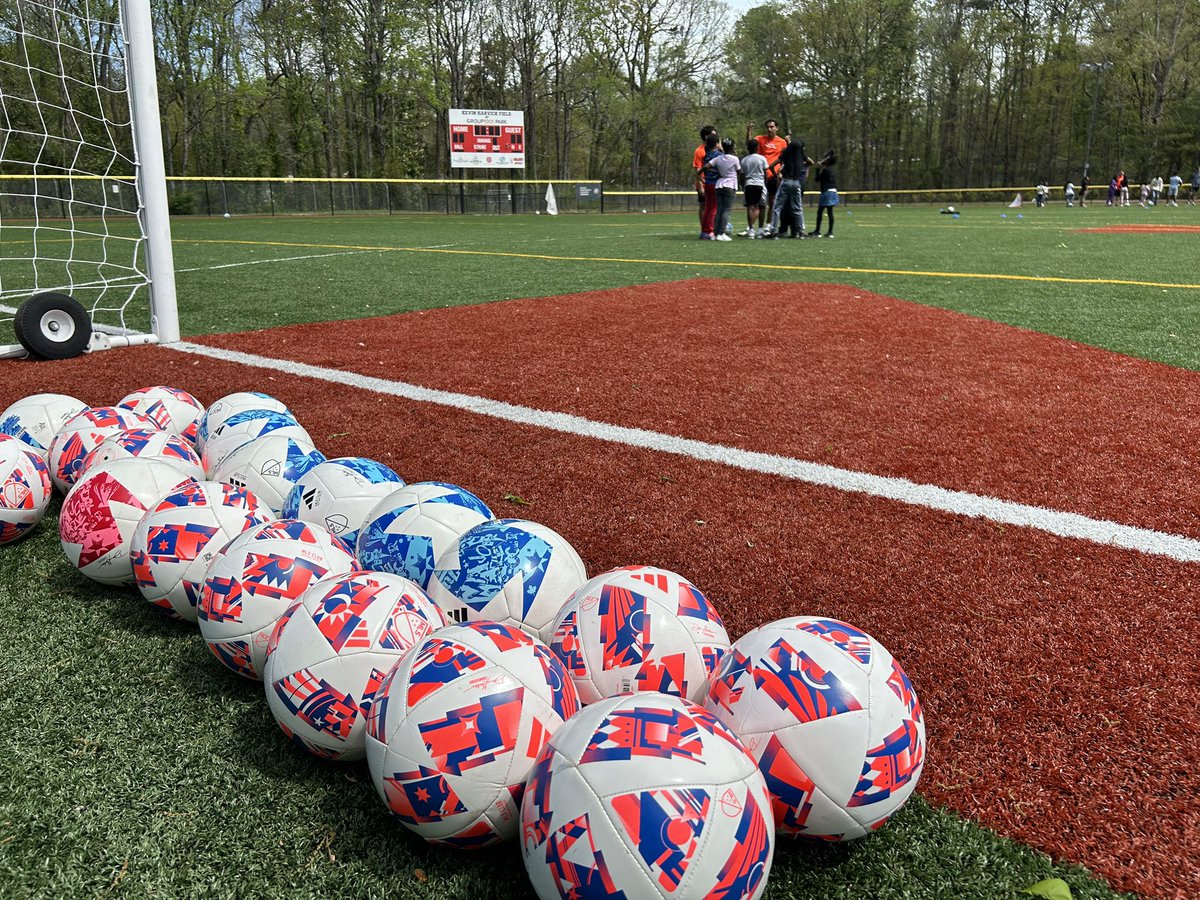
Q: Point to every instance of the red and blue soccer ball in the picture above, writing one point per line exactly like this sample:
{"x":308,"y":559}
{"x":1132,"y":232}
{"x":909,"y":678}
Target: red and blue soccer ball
{"x":25,"y":488}
{"x":832,"y":719}
{"x":171,"y":409}
{"x":340,"y":493}
{"x":329,"y":653}
{"x":508,"y":570}
{"x":253,"y":581}
{"x":177,"y":540}
{"x":269,"y":467}
{"x":649,"y":796}
{"x":37,"y":418}
{"x":411,"y":527}
{"x":83,"y":433}
{"x":149,"y":443}
{"x":639,"y":628}
{"x":103,"y":509}
{"x":456,"y":726}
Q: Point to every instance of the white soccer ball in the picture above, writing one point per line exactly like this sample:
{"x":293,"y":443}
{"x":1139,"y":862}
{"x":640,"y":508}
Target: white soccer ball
{"x":456,"y":727}
{"x":410,"y":528}
{"x":83,"y":433}
{"x":147,"y":443}
{"x":649,"y":796}
{"x":242,"y":428}
{"x":227,"y":215}
{"x":832,"y":719}
{"x":37,"y":418}
{"x":253,"y":581}
{"x":340,"y":493}
{"x":330,"y":651}
{"x":171,"y":409}
{"x":176,"y":541}
{"x":269,"y":467}
{"x":639,"y":629}
{"x":25,"y":488}
{"x":508,"y":570}
{"x":225,"y":407}
{"x":102,"y":511}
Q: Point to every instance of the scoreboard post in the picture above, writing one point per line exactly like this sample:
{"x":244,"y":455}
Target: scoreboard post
{"x":487,"y":139}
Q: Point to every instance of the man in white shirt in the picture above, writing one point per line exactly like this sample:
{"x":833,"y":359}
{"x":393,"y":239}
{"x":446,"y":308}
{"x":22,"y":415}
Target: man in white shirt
{"x":754,"y":169}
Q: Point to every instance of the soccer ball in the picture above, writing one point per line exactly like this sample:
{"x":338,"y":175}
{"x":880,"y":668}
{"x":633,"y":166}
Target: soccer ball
{"x":243,"y":427}
{"x":253,"y":581}
{"x":25,"y":488}
{"x":148,"y":443}
{"x":230,"y":404}
{"x":639,"y":629}
{"x":269,"y":467}
{"x":339,"y":493}
{"x":330,"y":651}
{"x":176,"y":541}
{"x":410,"y":528}
{"x":625,"y":796}
{"x":37,"y":418}
{"x":169,"y":408}
{"x":456,"y":726}
{"x":103,"y":509}
{"x":83,"y":433}
{"x":832,"y":719}
{"x":508,"y":570}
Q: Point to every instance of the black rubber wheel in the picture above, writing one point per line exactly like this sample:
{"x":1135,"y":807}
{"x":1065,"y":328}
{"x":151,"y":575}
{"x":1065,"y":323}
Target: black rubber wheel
{"x":53,"y":326}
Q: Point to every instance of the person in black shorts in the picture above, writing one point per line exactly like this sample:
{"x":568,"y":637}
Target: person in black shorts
{"x":754,"y":168}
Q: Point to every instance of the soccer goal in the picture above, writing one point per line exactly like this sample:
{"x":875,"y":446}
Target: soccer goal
{"x":85,"y":239}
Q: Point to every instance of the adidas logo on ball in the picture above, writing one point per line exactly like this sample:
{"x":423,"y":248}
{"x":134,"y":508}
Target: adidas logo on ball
{"x":312,"y":497}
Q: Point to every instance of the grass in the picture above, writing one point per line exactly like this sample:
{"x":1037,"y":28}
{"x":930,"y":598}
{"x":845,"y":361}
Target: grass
{"x":137,"y":766}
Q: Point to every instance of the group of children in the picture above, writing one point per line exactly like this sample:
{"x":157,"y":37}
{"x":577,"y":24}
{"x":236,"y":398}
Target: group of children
{"x":774,"y":171}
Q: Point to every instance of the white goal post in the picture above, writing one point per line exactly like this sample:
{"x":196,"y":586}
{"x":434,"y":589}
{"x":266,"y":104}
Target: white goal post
{"x":83,"y":198}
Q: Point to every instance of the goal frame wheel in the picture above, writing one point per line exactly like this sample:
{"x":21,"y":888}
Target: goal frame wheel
{"x":53,"y":326}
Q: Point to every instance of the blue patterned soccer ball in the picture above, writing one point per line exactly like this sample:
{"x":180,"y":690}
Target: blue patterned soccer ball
{"x":340,"y":493}
{"x":508,"y":570}
{"x":646,"y":795}
{"x":456,"y":726}
{"x":245,"y":426}
{"x":832,"y":719}
{"x":328,"y":656}
{"x":230,"y":404}
{"x":269,"y":467}
{"x":410,"y":528}
{"x":37,"y":418}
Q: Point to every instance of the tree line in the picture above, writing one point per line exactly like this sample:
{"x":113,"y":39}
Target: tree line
{"x":911,"y":93}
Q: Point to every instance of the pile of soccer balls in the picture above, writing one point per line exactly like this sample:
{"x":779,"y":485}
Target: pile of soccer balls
{"x":492,"y":687}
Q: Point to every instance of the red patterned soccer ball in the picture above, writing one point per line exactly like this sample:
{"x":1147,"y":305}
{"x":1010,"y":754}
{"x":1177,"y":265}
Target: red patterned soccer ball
{"x":832,"y":719}
{"x":253,"y":581}
{"x":178,"y":539}
{"x":650,"y":796}
{"x":171,"y":409}
{"x":639,"y":629}
{"x":330,"y":651}
{"x":148,"y":443}
{"x":103,"y":509}
{"x":25,"y":488}
{"x":83,"y":433}
{"x":456,"y":726}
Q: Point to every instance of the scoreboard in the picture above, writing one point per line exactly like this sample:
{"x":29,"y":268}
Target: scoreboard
{"x":487,"y":139}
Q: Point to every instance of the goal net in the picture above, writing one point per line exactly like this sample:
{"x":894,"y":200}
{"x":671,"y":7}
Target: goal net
{"x":82,"y":193}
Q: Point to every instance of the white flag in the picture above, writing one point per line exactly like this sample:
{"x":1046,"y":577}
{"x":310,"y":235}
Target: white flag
{"x":551,"y":202}
{"x":1016,"y":202}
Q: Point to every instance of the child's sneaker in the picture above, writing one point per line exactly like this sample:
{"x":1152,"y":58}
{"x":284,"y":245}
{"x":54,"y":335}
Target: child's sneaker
{"x":722,"y":237}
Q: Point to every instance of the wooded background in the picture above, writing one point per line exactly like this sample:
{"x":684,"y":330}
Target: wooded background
{"x":911,"y":93}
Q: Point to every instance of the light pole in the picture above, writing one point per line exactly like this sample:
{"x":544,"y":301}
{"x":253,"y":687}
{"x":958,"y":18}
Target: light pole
{"x":1099,"y":68}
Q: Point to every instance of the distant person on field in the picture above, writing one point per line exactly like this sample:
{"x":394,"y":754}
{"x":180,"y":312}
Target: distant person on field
{"x":1145,"y":192}
{"x":698,"y":167}
{"x":789,"y":204}
{"x":1194,"y":187}
{"x":726,"y":166}
{"x":754,"y":171}
{"x":709,"y":221}
{"x":1123,"y":188}
{"x":1041,"y":193}
{"x":1156,"y":189}
{"x":1069,"y":193}
{"x":1083,"y":190}
{"x":827,"y":184}
{"x":1114,"y":191}
{"x":770,"y":145}
{"x":1173,"y":189}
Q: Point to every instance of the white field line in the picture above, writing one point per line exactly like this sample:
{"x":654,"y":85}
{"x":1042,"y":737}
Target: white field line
{"x":279,"y":259}
{"x":1063,"y":524}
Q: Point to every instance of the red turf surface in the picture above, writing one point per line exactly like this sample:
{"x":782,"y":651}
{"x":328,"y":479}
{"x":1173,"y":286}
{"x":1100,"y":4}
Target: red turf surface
{"x":1059,"y":678}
